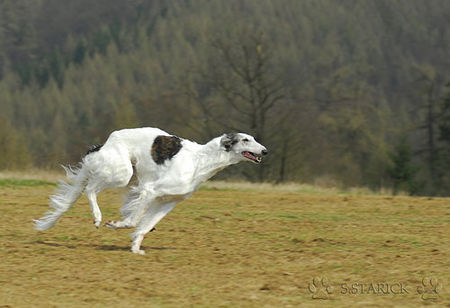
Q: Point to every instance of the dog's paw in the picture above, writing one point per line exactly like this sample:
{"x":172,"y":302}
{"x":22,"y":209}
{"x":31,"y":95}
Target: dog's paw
{"x":97,"y":223}
{"x":110,"y":224}
{"x":138,"y":251}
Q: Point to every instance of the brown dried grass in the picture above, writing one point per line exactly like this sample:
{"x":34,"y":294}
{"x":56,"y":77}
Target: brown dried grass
{"x":226,"y":246}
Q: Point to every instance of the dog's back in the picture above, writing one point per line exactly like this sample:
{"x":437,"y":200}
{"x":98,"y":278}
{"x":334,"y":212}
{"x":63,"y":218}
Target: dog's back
{"x":128,"y":148}
{"x":134,"y":139}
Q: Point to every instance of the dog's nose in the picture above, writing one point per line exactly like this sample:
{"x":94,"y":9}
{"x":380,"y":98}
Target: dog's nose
{"x":264,"y":152}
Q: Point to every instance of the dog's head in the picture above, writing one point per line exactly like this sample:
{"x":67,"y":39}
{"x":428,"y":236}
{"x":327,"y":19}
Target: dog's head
{"x":244,"y":146}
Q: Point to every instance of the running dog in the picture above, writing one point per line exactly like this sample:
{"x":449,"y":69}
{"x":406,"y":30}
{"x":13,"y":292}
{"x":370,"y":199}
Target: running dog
{"x":169,"y":169}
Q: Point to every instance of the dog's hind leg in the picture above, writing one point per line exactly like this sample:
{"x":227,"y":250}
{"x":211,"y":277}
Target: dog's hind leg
{"x":92,"y":197}
{"x":154,"y":214}
{"x":117,"y":173}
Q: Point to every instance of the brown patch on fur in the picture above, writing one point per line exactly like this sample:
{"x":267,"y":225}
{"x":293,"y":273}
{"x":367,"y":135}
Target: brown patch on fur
{"x":165,"y":147}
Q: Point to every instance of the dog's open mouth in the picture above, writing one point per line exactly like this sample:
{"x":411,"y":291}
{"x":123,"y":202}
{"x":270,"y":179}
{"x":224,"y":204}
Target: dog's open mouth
{"x":252,"y":156}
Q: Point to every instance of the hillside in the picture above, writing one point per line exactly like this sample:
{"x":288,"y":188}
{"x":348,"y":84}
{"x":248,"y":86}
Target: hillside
{"x":335,"y":89}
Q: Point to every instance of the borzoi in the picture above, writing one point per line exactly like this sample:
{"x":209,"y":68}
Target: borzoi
{"x":169,"y":169}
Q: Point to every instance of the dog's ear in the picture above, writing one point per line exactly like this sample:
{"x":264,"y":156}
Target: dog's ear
{"x":228,"y":140}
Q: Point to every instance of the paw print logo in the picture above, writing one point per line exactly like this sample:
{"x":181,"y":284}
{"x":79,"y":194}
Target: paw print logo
{"x":320,"y":288}
{"x":429,"y":288}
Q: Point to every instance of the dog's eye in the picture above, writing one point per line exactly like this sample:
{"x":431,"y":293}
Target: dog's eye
{"x":245,"y":140}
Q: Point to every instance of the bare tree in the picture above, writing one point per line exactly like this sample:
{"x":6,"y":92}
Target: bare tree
{"x":242,"y":73}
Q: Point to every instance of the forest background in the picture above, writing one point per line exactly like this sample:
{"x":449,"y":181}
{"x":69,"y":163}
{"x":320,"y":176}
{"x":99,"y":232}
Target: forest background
{"x":343,"y":93}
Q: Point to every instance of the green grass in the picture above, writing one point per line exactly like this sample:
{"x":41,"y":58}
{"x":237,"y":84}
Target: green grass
{"x":287,"y":216}
{"x":27,"y":183}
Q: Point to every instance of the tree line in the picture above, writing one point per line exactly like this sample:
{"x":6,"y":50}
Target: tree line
{"x":346,"y":93}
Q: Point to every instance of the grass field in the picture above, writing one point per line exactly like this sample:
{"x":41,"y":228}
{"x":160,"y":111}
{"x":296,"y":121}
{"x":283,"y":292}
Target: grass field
{"x":235,"y":245}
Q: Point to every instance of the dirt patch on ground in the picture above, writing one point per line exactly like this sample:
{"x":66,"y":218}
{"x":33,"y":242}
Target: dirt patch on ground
{"x":228,"y":247}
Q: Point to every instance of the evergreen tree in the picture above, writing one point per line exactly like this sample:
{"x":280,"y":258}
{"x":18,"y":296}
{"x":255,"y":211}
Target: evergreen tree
{"x":403,"y":172}
{"x":444,"y":138}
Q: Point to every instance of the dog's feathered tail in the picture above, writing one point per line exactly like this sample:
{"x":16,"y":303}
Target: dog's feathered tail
{"x":65,"y":196}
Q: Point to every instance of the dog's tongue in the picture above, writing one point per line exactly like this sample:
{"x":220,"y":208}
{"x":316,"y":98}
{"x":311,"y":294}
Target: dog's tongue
{"x":249,"y":155}
{"x":254,"y":158}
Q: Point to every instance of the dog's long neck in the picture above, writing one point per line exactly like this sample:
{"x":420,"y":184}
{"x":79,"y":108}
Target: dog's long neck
{"x":213,"y":158}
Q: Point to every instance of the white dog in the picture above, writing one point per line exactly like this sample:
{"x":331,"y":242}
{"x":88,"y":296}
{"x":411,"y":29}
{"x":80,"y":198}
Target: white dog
{"x":169,"y":169}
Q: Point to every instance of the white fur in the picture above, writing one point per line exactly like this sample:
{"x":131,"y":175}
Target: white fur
{"x":159,"y":187}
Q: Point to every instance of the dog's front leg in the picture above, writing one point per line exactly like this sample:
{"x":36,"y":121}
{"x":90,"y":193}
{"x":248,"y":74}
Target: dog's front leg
{"x":133,"y":208}
{"x":154,"y":214}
